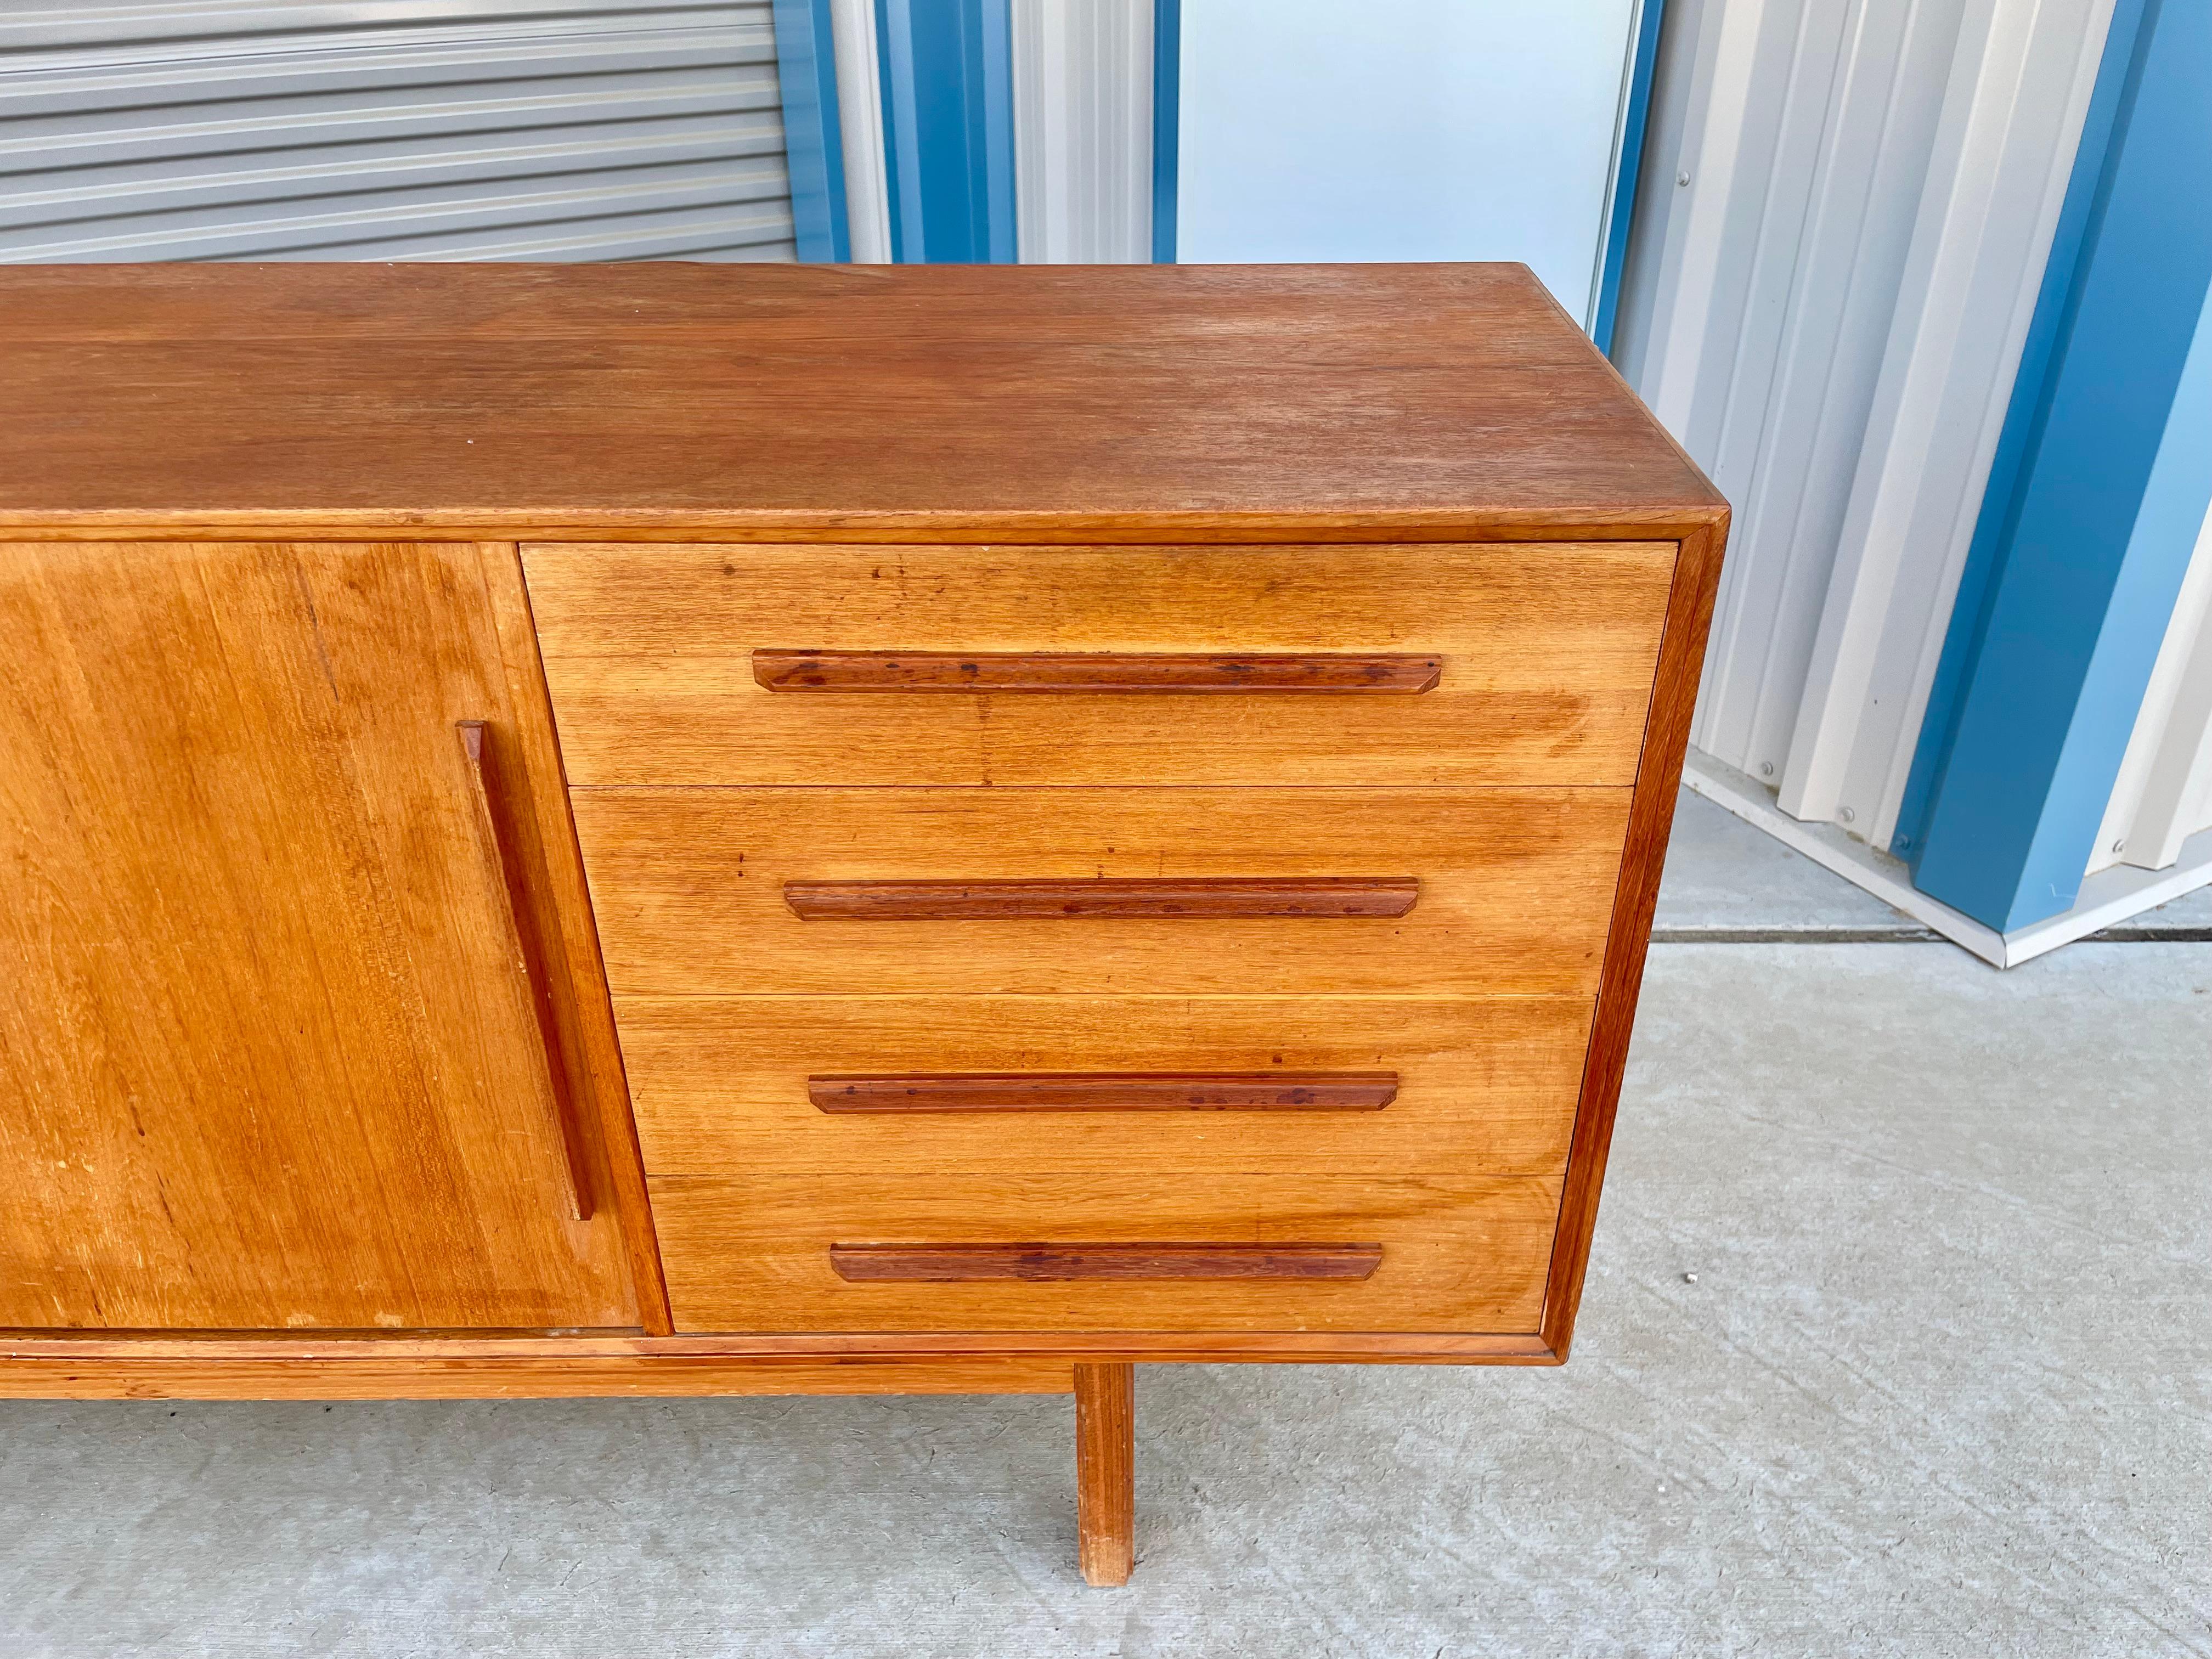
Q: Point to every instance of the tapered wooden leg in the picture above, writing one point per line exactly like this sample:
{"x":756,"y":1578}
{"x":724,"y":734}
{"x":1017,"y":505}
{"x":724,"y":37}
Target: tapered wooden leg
{"x":1106,"y":1471}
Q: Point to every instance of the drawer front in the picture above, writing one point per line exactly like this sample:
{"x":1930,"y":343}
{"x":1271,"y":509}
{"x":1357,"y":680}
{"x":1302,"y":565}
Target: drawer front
{"x":759,"y":1254}
{"x":1509,"y":889}
{"x":1026,"y":1085}
{"x":1543,"y":660}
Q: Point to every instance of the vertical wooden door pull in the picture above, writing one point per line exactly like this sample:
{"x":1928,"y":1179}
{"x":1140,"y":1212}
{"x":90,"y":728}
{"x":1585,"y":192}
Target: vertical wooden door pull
{"x":538,"y":983}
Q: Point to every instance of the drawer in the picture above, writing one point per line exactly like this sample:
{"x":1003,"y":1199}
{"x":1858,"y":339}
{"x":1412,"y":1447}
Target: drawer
{"x":1026,"y":1085}
{"x":1543,"y":658}
{"x":756,"y":1254}
{"x":1510,"y":890}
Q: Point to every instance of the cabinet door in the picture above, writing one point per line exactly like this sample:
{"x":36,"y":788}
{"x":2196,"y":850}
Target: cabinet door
{"x":271,"y":1055}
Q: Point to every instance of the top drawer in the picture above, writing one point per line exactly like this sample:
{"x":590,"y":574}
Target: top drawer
{"x":1545,"y":658}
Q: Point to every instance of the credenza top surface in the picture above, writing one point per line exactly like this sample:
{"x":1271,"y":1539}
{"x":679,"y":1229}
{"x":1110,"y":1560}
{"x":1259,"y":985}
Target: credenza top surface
{"x":624,"y":395}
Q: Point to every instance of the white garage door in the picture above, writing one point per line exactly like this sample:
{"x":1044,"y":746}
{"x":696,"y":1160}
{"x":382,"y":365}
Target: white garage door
{"x":391,"y":129}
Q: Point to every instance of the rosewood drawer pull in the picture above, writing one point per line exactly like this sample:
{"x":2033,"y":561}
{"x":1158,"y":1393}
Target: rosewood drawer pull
{"x":1107,"y":1091}
{"x":1210,"y":896}
{"x":497,"y":829}
{"x":1080,"y":672}
{"x":947,"y":1264}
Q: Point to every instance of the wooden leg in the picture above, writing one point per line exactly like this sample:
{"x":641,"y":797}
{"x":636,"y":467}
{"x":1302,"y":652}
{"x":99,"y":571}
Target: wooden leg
{"x":1106,"y":1471}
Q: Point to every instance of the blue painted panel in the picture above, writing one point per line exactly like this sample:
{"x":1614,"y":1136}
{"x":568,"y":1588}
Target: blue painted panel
{"x":2115,"y":482}
{"x":2023,"y":425}
{"x":947,"y":70}
{"x":1167,"y":123}
{"x":1627,"y":171}
{"x":806,"y":70}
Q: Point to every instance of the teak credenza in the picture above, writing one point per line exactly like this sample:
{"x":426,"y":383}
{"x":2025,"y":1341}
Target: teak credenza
{"x":663,"y":830}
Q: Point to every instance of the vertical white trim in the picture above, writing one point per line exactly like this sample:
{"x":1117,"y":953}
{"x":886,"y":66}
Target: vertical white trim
{"x":861,"y":128}
{"x":2164,"y":792}
{"x":1083,"y":130}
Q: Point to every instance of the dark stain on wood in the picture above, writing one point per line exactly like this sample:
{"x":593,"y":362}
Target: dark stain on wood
{"x":1091,"y":672}
{"x":960,"y":1263}
{"x":1107,"y":1092}
{"x":1198,"y":898}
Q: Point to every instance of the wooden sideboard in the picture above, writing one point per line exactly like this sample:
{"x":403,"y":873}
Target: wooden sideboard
{"x":661,"y":829}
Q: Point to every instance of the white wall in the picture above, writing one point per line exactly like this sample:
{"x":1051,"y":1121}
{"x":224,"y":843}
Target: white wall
{"x":1318,"y":129}
{"x":1829,"y":314}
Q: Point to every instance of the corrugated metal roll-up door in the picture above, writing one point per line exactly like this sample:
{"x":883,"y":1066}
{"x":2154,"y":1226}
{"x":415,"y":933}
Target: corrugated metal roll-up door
{"x":391,"y":129}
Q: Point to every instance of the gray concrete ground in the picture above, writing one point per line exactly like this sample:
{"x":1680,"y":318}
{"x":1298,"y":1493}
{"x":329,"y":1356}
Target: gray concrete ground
{"x":1941,"y":1386}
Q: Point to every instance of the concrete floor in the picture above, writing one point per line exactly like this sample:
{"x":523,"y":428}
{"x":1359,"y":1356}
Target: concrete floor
{"x":1941,"y":1386}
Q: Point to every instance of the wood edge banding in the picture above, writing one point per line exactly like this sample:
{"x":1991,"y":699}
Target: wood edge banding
{"x":1118,"y":1261}
{"x":1104,"y":1091}
{"x":1628,"y":938}
{"x":1317,"y":897}
{"x":1093,"y":672}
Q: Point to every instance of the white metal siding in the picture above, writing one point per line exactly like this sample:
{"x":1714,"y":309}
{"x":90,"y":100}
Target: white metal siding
{"x":1829,"y":313}
{"x":1083,"y":130}
{"x":2164,"y":792}
{"x":392,"y":130}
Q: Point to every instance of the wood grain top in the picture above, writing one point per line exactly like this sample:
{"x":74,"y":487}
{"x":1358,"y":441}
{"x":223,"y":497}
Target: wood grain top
{"x":653,"y":398}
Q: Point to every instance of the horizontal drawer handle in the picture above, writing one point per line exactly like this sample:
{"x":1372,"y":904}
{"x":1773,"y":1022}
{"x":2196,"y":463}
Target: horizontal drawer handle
{"x":1209,"y":897}
{"x":958,"y":1263}
{"x":1077,"y":672}
{"x":1107,"y":1091}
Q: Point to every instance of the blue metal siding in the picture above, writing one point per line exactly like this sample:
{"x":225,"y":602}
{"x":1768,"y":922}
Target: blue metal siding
{"x":1167,"y":111}
{"x":814,"y":147}
{"x":2095,"y":533}
{"x":947,"y":70}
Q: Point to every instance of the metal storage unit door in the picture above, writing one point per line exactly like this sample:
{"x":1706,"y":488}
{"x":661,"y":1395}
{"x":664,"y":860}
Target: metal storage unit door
{"x":391,"y":129}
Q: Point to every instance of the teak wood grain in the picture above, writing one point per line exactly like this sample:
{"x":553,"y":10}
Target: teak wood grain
{"x":265,"y":1061}
{"x":1107,"y":1092}
{"x":495,"y":400}
{"x":581,"y":1369}
{"x":752,"y":1252}
{"x":534,"y":966}
{"x":1104,"y":899}
{"x":1544,"y":659}
{"x":1515,"y":888}
{"x":1105,"y":1473}
{"x":1485,"y":1085}
{"x":1128,"y":672}
{"x":956,"y":1264}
